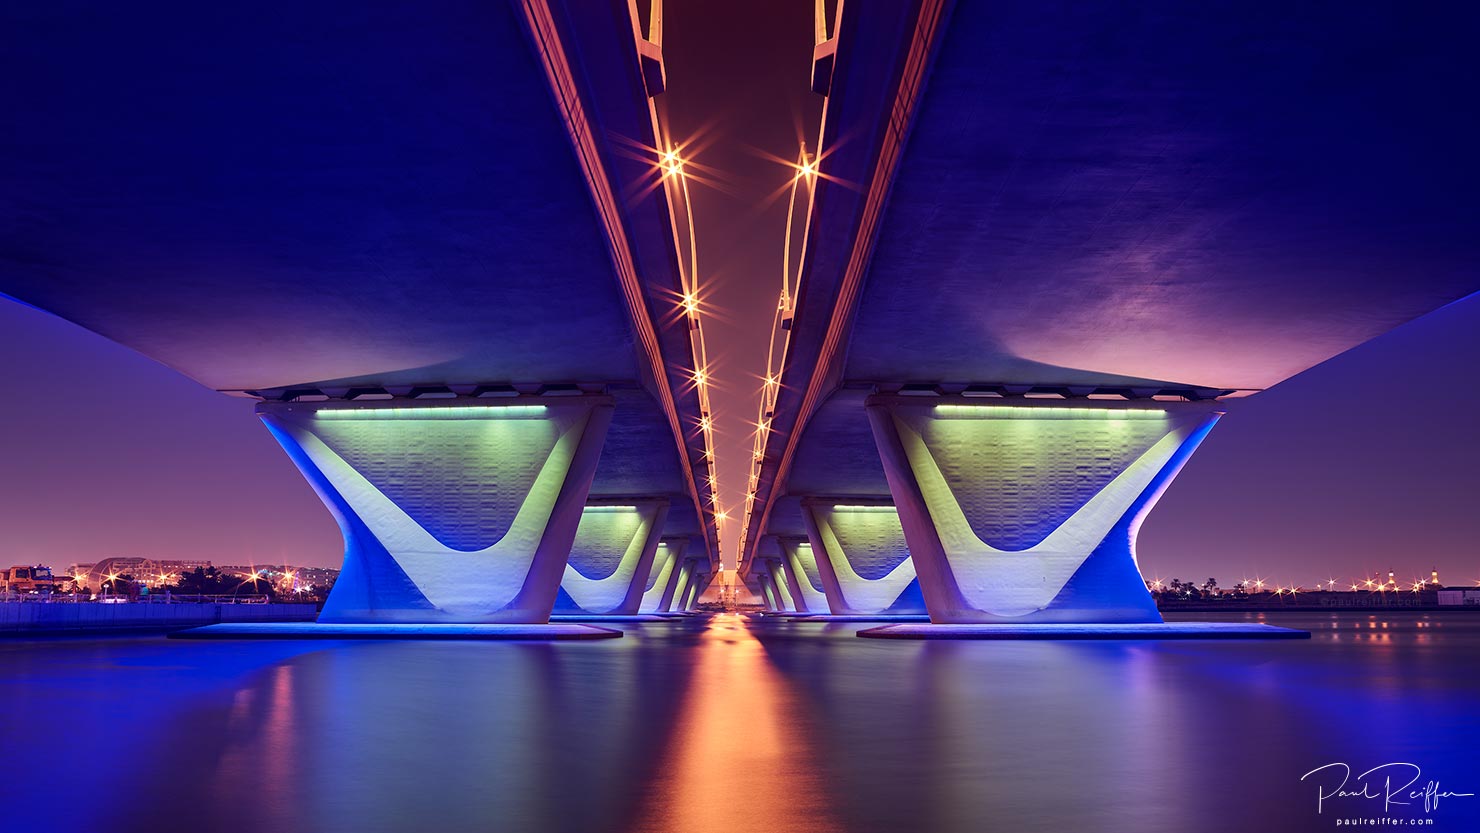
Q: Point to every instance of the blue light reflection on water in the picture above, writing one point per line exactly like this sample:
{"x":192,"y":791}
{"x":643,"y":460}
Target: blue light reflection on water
{"x":141,"y":733}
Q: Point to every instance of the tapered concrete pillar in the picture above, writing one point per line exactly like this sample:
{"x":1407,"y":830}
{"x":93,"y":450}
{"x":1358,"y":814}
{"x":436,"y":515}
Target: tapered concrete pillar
{"x":767,"y":592}
{"x":612,"y":556}
{"x":696,"y":588}
{"x":450,"y":512}
{"x":863,"y":561}
{"x":1029,"y":513}
{"x":665,"y":568}
{"x":678,"y":586}
{"x":780,"y":586}
{"x":703,"y":588}
{"x":804,"y":577}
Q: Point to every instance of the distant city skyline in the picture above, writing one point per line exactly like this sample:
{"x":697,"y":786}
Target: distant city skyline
{"x":1358,"y":466}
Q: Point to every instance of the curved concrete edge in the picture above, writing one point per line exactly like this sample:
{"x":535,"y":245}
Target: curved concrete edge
{"x":303,"y":630}
{"x":1166,"y":630}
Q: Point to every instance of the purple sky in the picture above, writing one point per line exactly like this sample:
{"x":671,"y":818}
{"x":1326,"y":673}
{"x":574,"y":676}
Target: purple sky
{"x":1362,"y":464}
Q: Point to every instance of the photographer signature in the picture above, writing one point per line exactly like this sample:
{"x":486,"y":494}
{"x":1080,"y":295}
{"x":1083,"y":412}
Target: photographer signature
{"x":1385,"y":781}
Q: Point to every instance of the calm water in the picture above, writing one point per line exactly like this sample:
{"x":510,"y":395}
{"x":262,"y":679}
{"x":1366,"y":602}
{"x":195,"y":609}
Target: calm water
{"x":735,"y":725}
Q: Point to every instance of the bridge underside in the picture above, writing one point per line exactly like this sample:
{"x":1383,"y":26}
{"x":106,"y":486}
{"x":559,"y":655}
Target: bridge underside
{"x":1026,"y":288}
{"x":321,"y":199}
{"x":1188,"y":195}
{"x":432,"y":240}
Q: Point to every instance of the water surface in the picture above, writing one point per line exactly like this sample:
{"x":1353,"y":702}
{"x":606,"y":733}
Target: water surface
{"x":731,"y":724}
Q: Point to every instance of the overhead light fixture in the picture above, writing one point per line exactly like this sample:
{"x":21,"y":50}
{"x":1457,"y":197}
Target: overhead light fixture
{"x":446,"y":412}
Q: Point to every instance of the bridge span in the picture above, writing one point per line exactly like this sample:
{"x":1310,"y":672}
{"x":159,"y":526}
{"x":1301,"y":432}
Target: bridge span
{"x":1045,"y":247}
{"x":443,"y":246}
{"x":1040,"y":250}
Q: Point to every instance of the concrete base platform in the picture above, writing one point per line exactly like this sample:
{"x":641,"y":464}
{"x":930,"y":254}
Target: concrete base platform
{"x":311,"y":630}
{"x":606,"y":617}
{"x":1165,"y":630}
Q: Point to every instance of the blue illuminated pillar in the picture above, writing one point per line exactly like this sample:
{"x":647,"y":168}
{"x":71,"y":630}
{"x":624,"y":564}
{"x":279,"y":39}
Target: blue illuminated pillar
{"x":450,"y":511}
{"x":1029,"y":512}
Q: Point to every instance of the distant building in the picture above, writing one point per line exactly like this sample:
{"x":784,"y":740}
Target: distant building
{"x":316,"y":577}
{"x":150,"y":572}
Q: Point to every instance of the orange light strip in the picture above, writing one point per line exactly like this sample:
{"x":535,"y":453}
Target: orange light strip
{"x":562,"y":83}
{"x":780,"y":342}
{"x":927,"y":26}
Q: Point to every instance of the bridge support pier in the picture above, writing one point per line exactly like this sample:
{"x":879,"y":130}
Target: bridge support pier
{"x":612,"y":555}
{"x":803,"y":576}
{"x":1029,"y":513}
{"x":768,"y":592}
{"x":678,"y":585}
{"x":451,"y":513}
{"x":861,"y":556}
{"x":697,"y":586}
{"x":781,"y":586}
{"x":658,"y":596}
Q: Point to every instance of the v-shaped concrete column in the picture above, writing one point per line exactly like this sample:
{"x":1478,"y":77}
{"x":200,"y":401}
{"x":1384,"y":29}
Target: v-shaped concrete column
{"x":658,"y":594}
{"x":780,"y":585}
{"x":678,"y":585}
{"x":612,"y":555}
{"x":802,"y":575}
{"x":696,"y":588}
{"x":767,"y":590}
{"x":451,"y":512}
{"x":861,"y":554}
{"x":1029,"y":513}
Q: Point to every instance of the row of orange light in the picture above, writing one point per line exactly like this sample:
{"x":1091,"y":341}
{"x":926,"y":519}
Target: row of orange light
{"x":671,"y":163}
{"x":804,"y":178}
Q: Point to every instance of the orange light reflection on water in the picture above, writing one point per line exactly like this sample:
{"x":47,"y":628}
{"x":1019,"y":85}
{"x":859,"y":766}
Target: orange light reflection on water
{"x":739,"y":757}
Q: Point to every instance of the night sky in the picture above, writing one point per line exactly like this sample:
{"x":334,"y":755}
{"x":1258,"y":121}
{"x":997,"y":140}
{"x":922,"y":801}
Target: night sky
{"x":1363,"y":464}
